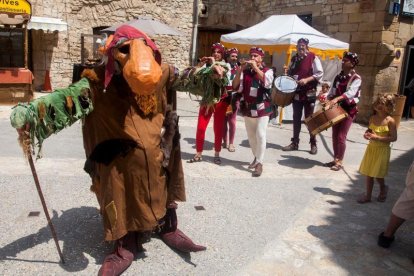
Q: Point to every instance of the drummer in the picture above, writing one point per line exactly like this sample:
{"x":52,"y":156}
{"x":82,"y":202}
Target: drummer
{"x":254,"y":81}
{"x":307,"y":69}
{"x":345,"y":91}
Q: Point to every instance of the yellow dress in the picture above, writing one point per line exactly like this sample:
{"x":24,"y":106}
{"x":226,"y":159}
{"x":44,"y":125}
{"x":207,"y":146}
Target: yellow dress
{"x":377,"y":155}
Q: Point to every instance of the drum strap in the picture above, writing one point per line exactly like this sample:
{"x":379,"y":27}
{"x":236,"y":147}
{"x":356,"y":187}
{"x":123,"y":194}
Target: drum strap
{"x":353,"y":77}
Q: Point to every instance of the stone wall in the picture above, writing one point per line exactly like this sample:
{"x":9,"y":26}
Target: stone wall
{"x":58,"y":52}
{"x":230,"y":15}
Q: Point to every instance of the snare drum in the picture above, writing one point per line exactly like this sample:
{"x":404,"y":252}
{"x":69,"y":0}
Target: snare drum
{"x":325,"y":118}
{"x":283,"y":90}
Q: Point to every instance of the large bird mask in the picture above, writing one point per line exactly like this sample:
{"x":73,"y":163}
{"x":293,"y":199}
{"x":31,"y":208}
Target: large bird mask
{"x":139,"y":60}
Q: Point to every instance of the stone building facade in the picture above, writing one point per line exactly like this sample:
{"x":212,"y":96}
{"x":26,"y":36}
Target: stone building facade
{"x":59,"y":51}
{"x":365,"y":24}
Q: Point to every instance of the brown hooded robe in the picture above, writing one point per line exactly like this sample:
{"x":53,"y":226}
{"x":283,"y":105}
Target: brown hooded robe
{"x":132,"y":187}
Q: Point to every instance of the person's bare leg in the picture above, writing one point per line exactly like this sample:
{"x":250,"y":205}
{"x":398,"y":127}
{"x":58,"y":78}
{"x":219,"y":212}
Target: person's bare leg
{"x":393,"y":224}
{"x":383,"y":190}
{"x":369,"y":183}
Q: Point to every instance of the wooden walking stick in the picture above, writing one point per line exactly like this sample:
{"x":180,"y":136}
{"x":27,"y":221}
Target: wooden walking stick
{"x":42,"y":199}
{"x":25,"y":142}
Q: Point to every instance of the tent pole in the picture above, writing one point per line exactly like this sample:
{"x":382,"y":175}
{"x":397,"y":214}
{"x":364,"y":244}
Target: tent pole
{"x":288,"y":55}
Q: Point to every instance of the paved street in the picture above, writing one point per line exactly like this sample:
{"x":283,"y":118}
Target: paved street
{"x":298,"y":218}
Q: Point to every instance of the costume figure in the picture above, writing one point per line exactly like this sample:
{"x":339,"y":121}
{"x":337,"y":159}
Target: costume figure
{"x":234,"y":99}
{"x":255,"y":103}
{"x":307,"y":69}
{"x":131,"y":142}
{"x":345,"y":91}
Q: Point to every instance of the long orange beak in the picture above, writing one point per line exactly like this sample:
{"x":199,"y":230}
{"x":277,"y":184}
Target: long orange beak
{"x":139,"y":66}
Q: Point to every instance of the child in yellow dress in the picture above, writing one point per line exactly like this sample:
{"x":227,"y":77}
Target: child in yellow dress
{"x":381,"y":132}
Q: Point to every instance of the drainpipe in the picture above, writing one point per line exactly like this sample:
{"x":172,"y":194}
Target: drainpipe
{"x":195,"y":33}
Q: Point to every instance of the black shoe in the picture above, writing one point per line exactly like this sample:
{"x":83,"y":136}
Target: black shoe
{"x":384,"y":241}
{"x":313,"y":150}
{"x":291,"y":147}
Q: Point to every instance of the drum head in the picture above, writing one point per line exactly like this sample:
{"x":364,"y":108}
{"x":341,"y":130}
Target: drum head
{"x":285,"y":84}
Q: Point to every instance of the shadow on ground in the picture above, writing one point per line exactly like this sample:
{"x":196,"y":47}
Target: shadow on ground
{"x":351,"y":232}
{"x":80,"y":230}
{"x":208,"y":155}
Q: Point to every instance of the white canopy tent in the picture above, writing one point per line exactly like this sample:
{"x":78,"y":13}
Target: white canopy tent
{"x":278,"y":35}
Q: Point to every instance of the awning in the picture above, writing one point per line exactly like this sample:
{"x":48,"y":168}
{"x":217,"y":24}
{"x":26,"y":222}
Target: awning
{"x":47,"y":24}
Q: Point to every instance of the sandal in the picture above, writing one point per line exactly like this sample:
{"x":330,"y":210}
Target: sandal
{"x":231,"y":148}
{"x":336,"y":167}
{"x":383,"y":197}
{"x":363,"y":199}
{"x":217,"y":160}
{"x":329,"y":164}
{"x":195,"y":159}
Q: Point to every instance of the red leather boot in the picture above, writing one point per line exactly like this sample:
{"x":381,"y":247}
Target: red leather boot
{"x":173,"y":237}
{"x":122,"y":257}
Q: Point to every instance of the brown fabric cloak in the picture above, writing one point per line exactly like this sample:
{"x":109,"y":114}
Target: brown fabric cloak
{"x":132,"y":188}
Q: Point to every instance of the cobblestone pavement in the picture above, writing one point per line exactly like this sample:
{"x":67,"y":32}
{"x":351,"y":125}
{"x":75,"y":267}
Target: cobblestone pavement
{"x":298,"y":218}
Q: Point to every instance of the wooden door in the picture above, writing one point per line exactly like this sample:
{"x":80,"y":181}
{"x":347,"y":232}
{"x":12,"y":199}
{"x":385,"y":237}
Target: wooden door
{"x":205,"y":39}
{"x":408,"y":79}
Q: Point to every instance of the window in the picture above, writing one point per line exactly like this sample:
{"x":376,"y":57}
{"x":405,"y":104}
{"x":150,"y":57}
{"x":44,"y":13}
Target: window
{"x":11,"y":47}
{"x":307,"y":18}
{"x":407,"y":8}
{"x":97,"y":30}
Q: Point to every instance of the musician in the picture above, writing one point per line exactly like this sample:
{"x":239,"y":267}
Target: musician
{"x":234,"y":100}
{"x":205,"y":112}
{"x":345,"y":91}
{"x":307,"y":69}
{"x":254,"y":81}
